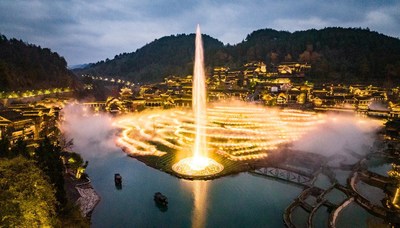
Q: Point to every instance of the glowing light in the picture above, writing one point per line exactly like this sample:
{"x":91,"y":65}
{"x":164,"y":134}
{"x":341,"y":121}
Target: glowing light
{"x":396,"y":199}
{"x":199,"y":99}
{"x":197,"y":166}
{"x":237,"y":133}
{"x":198,"y":163}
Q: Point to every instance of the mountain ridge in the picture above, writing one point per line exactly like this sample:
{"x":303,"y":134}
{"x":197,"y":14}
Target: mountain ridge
{"x":338,"y":55}
{"x":26,"y":66}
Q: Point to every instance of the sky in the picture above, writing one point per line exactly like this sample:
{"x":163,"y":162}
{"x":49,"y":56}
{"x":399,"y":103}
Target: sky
{"x":86,"y":31}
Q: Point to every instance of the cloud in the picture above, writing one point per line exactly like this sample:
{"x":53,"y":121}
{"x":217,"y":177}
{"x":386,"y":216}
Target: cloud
{"x":83,"y":31}
{"x":301,"y":24}
{"x":384,"y":20}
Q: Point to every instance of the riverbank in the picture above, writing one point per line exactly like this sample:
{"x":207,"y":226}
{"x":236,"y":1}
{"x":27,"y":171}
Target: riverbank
{"x":81,"y":193}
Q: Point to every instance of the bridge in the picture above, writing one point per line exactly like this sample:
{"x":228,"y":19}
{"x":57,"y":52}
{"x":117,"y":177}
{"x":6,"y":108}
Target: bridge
{"x":111,"y":79}
{"x":312,"y":208}
{"x":288,"y":174}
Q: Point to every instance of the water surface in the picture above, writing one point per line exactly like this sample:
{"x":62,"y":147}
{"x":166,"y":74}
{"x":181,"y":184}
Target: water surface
{"x":242,"y":200}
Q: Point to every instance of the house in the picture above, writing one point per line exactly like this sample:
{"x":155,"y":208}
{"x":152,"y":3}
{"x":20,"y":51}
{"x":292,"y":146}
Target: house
{"x":14,"y":126}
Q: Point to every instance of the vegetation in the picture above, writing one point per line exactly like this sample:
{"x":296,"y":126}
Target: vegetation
{"x":171,"y":55}
{"x":26,"y":66}
{"x":5,"y":150}
{"x":32,"y":190}
{"x":337,"y":55}
{"x":26,"y":198}
{"x":48,"y":157}
{"x":74,"y":160}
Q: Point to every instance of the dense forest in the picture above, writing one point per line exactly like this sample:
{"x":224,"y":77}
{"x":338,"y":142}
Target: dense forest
{"x":26,"y":66}
{"x":32,"y":187}
{"x":171,"y":55}
{"x":337,"y":55}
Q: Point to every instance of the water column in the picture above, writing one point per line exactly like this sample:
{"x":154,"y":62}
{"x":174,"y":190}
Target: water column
{"x":199,"y":99}
{"x":199,"y":164}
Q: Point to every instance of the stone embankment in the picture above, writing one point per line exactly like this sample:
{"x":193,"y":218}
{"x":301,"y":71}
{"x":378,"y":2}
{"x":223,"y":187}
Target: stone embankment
{"x":88,"y":198}
{"x":81,"y":193}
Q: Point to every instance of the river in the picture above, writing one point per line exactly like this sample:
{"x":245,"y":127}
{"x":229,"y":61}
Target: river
{"x":242,"y":200}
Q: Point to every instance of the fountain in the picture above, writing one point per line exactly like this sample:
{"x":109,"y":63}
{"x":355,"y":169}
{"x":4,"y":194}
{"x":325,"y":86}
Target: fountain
{"x":188,"y":141}
{"x":200,"y":164}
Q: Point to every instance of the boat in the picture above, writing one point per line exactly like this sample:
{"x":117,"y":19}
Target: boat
{"x":117,"y":179}
{"x":160,"y":199}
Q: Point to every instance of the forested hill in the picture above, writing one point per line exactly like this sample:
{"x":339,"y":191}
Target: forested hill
{"x":337,"y":55}
{"x":26,"y":66}
{"x":171,"y":55}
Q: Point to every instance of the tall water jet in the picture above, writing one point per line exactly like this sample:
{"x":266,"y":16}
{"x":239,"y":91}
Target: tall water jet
{"x":200,"y":164}
{"x":199,"y":99}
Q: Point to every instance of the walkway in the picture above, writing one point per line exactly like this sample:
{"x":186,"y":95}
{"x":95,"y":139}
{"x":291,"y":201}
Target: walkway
{"x":300,"y":201}
{"x":288,"y":174}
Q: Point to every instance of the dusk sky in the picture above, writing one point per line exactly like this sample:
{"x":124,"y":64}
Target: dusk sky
{"x":89,"y":31}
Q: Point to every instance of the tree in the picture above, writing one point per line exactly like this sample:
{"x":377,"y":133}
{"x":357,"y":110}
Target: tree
{"x":4,"y":146}
{"x":20,"y":148}
{"x":48,"y":157}
{"x":27,"y":199}
{"x":65,"y":143}
{"x":288,"y":58}
{"x":274,"y":57}
{"x":26,"y":66}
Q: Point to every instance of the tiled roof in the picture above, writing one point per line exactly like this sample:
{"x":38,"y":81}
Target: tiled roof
{"x":12,"y":115}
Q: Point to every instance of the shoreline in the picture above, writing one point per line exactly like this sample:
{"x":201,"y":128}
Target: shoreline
{"x":81,"y":193}
{"x":88,"y":199}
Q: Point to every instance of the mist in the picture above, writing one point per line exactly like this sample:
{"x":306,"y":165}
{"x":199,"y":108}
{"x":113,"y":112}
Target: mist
{"x":93,"y":135}
{"x":379,"y":106}
{"x":339,"y":134}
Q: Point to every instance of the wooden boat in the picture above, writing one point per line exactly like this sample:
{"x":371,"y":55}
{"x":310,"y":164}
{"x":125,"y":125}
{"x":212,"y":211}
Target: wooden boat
{"x":160,"y":199}
{"x":117,"y":179}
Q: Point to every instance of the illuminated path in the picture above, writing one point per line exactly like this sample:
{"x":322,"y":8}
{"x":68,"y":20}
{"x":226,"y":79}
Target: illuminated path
{"x":236,"y":132}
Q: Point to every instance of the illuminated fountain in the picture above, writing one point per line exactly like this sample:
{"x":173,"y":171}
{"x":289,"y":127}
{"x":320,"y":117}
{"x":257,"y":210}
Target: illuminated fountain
{"x":229,"y":132}
{"x":200,"y":164}
{"x":238,"y":132}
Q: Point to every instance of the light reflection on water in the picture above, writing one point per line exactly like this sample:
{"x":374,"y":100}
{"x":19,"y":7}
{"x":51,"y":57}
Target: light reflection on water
{"x":241,"y":200}
{"x":233,"y":201}
{"x":200,"y":192}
